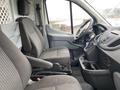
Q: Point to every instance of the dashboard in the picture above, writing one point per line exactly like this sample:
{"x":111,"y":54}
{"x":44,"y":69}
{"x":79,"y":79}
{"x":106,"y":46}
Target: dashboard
{"x":108,"y":44}
{"x":105,"y":49}
{"x":101,"y":57}
{"x":109,"y":40}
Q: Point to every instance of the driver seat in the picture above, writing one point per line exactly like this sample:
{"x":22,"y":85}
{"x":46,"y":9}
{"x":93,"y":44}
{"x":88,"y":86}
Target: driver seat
{"x":33,"y":44}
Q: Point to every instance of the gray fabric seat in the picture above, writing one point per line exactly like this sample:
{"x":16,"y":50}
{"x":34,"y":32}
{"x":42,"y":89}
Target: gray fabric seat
{"x":55,"y":55}
{"x":15,"y":72}
{"x":59,"y":82}
{"x":33,"y":44}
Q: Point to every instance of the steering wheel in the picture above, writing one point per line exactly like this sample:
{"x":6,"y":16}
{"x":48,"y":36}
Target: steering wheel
{"x":85,"y":27}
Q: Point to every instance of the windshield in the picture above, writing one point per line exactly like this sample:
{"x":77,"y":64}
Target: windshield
{"x":109,"y":9}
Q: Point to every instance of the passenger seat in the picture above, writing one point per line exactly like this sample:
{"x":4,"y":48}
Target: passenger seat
{"x":15,"y":72}
{"x":34,"y":44}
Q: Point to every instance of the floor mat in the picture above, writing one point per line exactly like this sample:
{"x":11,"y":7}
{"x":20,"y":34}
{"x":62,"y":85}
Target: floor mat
{"x":77,"y":74}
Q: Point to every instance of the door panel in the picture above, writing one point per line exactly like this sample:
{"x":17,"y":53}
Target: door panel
{"x":60,"y":39}
{"x":64,"y":20}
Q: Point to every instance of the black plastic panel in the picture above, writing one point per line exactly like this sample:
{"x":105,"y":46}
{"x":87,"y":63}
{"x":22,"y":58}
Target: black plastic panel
{"x":24,"y":7}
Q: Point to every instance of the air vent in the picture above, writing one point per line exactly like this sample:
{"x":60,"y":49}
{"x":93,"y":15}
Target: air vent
{"x":5,"y":12}
{"x":115,"y":43}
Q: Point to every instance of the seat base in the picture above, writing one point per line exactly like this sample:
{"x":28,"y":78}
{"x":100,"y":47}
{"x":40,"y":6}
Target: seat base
{"x":56,"y":82}
{"x":57,"y":55}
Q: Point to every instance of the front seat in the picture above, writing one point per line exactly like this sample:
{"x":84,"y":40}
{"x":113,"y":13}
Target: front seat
{"x":33,"y":44}
{"x":15,"y":72}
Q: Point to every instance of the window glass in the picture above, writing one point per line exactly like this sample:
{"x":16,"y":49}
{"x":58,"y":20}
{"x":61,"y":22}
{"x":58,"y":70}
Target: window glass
{"x":109,"y":9}
{"x":60,"y":18}
{"x":79,"y":16}
{"x":59,"y":15}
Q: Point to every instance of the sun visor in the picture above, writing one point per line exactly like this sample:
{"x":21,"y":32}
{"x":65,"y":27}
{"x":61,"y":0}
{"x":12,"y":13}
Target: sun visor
{"x":24,"y":7}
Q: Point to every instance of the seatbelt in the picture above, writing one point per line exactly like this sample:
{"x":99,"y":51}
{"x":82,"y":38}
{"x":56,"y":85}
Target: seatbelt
{"x":44,"y":27}
{"x":26,"y":44}
{"x":40,"y":25}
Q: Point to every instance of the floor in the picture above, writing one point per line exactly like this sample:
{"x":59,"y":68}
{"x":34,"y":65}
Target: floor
{"x":78,"y":75}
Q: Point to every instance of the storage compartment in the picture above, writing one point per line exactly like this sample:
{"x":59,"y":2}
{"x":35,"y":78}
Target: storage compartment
{"x":53,"y":71}
{"x":91,"y":52}
{"x":99,"y":78}
{"x":90,"y":65}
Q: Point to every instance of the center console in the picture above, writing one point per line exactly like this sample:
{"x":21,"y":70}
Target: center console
{"x":41,"y":68}
{"x":95,"y":71}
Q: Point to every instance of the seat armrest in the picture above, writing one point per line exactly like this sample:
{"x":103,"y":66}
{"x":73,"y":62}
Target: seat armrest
{"x":37,"y":62}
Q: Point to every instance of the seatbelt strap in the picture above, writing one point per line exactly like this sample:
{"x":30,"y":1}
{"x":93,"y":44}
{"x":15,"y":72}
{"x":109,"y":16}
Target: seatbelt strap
{"x":26,"y":44}
{"x":44,"y":26}
{"x":40,"y":25}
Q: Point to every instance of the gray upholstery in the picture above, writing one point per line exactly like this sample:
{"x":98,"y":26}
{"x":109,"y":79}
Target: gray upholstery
{"x":15,"y":72}
{"x":33,"y":44}
{"x":15,"y":68}
{"x":37,"y":62}
{"x":56,"y":82}
{"x":9,"y":77}
{"x":60,"y":55}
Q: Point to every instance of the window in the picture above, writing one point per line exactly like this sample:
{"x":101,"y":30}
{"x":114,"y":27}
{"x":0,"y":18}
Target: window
{"x":65,"y":16}
{"x":59,"y":15}
{"x":109,"y":9}
{"x":79,"y":16}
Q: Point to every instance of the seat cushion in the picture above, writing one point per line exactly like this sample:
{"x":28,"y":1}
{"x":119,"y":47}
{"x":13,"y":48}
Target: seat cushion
{"x":57,"y":55}
{"x":57,"y":82}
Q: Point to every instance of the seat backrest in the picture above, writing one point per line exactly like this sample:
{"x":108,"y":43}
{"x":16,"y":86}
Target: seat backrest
{"x":15,"y":69}
{"x":32,"y":39}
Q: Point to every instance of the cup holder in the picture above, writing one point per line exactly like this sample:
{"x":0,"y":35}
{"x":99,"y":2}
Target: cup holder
{"x":90,"y":65}
{"x":95,"y":75}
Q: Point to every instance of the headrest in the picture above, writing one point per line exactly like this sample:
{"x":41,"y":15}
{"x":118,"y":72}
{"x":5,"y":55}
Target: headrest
{"x":24,"y":7}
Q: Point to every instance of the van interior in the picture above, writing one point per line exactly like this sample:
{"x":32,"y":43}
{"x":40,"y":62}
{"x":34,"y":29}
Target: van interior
{"x":45,"y":46}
